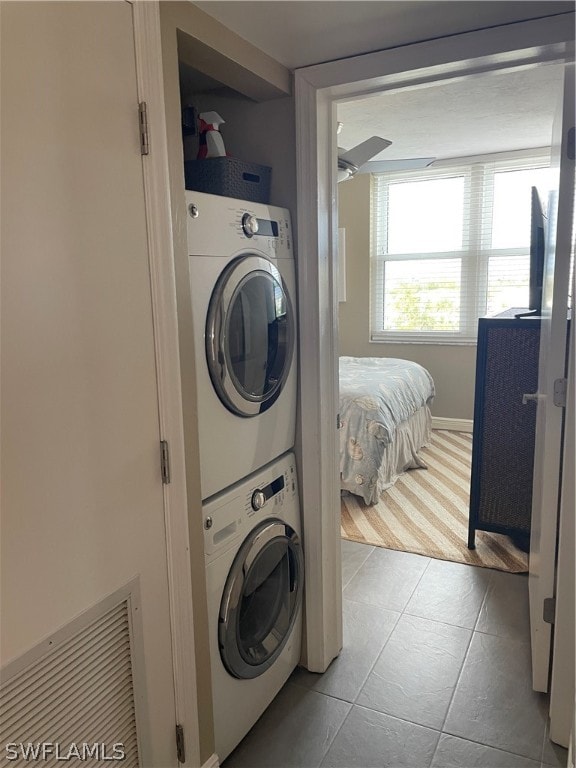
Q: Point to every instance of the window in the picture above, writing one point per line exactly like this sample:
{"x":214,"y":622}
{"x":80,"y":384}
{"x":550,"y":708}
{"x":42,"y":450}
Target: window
{"x":450,"y":245}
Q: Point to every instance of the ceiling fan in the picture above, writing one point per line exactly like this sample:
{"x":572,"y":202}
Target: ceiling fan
{"x":359,"y":159}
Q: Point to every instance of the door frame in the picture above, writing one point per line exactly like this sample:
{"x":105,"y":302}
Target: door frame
{"x":550,"y":418}
{"x":562,"y":704}
{"x":148,"y":54}
{"x":318,"y":88}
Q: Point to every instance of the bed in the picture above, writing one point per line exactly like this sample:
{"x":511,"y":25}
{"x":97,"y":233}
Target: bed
{"x":385,"y":419}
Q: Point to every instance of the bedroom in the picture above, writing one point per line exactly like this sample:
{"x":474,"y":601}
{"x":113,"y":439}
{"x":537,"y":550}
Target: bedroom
{"x":497,"y":126}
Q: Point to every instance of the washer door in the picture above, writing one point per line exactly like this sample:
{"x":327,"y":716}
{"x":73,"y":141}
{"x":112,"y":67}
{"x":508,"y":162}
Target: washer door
{"x":249,"y":335}
{"x":261,"y":599}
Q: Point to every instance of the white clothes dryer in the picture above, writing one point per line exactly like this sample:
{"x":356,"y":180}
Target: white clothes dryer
{"x":254,"y":578}
{"x":242,"y":284}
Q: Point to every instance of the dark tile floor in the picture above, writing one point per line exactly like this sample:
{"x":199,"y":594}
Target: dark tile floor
{"x":434,"y":673}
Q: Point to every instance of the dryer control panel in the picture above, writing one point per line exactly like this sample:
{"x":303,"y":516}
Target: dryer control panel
{"x":222,"y":225}
{"x":274,"y":232}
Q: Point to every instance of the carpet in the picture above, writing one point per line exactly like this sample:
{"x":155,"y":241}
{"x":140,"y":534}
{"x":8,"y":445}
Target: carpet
{"x":426,"y":511}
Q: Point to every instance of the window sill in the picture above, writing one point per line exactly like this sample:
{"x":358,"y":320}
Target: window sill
{"x":426,"y":341}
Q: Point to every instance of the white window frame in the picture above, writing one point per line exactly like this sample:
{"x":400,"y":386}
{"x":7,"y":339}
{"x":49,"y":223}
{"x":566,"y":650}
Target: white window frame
{"x":478,"y":173}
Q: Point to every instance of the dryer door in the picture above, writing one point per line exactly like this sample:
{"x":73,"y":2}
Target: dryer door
{"x":249,"y":335}
{"x":261,"y":599}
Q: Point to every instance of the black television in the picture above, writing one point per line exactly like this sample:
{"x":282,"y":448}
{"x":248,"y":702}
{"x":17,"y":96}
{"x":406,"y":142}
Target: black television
{"x":537,"y":246}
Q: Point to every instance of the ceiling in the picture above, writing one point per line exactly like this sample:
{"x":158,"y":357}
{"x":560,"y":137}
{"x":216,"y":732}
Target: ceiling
{"x":482,"y":114}
{"x":298,"y":33}
{"x":478,"y":115}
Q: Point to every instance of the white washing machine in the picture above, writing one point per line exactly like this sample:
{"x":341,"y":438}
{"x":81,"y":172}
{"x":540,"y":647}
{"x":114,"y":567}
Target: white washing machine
{"x":242,"y":283}
{"x":255,"y":578}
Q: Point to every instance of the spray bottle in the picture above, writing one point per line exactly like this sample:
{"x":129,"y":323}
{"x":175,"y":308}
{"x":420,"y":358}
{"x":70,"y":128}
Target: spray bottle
{"x":211,"y":142}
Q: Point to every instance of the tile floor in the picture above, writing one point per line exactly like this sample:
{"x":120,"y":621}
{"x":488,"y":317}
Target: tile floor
{"x":435,"y":673}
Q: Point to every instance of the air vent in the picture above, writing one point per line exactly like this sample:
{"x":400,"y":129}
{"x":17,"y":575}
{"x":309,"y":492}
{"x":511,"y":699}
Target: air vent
{"x":75,"y":696}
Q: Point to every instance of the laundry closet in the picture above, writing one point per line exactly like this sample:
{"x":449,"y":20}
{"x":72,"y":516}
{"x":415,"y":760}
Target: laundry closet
{"x":209,"y":70}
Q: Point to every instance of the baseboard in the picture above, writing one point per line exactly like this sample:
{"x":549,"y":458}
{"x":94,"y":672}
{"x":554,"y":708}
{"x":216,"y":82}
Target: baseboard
{"x":456,"y":425}
{"x":212,"y":762}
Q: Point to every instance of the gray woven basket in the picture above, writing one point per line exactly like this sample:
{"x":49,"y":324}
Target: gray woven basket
{"x":230,"y":177}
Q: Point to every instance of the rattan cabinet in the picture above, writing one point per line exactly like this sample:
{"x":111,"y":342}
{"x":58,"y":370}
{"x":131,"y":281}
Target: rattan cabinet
{"x":504,"y":426}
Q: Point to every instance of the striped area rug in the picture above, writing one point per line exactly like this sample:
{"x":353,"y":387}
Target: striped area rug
{"x":426,"y":511}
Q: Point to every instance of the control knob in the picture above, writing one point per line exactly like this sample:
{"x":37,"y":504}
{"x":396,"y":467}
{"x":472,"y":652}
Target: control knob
{"x":258,"y":500}
{"x":249,"y":224}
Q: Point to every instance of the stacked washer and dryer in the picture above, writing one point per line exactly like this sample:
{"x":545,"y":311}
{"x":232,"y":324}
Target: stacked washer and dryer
{"x":242,"y":281}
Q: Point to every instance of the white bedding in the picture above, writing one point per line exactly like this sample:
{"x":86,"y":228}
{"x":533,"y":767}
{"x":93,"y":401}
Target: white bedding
{"x":385,"y":420}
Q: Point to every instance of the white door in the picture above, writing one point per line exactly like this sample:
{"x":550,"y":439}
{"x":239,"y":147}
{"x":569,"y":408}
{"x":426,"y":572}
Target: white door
{"x":82,"y":498}
{"x":552,"y":367}
{"x":562,"y":703}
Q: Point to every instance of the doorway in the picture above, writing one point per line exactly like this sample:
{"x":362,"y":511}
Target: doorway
{"x":437,"y":233}
{"x":318,"y":89}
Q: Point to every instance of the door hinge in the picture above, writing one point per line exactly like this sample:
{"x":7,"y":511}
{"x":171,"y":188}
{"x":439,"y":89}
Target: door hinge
{"x":165,"y":461}
{"x":338,"y":422}
{"x":560,"y":387}
{"x":549,"y":610}
{"x":180,"y":746}
{"x":143,"y":121}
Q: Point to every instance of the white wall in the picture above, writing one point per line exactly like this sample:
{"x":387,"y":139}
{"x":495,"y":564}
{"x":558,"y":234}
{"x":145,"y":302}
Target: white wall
{"x":82,"y":498}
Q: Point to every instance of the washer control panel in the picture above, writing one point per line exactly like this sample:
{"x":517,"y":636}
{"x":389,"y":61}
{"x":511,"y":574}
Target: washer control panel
{"x":250,"y":225}
{"x":267,"y":496}
{"x":271,"y":492}
{"x":258,"y":499}
{"x":261,"y":495}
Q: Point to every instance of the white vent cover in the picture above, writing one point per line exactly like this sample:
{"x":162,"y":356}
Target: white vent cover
{"x":79,"y":695}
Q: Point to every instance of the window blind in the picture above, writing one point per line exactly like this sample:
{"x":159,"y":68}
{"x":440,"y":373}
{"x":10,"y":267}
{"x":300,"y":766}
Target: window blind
{"x":450,"y":245}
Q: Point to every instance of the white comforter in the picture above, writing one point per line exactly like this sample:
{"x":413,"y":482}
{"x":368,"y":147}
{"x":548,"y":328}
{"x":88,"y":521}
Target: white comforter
{"x":376,"y":396}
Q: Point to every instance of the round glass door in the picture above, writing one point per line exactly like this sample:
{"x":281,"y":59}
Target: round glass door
{"x":249,"y":335}
{"x":261,"y":598}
